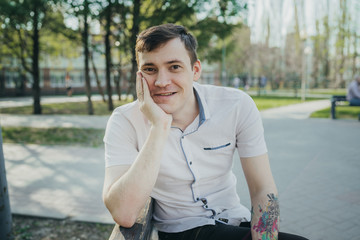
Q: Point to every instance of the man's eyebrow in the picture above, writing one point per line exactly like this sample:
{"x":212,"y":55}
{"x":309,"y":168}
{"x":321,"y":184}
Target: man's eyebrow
{"x":174,"y":61}
{"x":168,"y":62}
{"x":148,"y":64}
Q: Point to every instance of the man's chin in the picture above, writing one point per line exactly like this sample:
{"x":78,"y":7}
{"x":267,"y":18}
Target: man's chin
{"x":166,"y":108}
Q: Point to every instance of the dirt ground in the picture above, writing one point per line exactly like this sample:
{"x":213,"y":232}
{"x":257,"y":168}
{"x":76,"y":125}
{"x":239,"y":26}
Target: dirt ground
{"x":34,"y":228}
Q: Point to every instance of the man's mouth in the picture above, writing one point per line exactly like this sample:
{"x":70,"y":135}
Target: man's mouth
{"x":165,"y":94}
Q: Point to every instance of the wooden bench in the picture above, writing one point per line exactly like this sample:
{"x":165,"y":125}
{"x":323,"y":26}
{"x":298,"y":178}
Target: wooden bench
{"x":143,"y":229}
{"x":335,"y":100}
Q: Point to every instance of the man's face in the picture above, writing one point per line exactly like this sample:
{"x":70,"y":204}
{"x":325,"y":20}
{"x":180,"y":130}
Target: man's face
{"x":170,"y":76}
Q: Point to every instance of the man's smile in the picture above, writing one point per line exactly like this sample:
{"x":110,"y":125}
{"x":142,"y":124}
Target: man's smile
{"x":165,"y":94}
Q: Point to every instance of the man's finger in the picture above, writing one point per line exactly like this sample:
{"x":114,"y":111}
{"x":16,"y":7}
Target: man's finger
{"x":139,"y":87}
{"x":146,"y":91}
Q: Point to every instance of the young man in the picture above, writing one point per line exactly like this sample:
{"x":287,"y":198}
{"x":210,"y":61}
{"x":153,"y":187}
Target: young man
{"x":176,"y":144}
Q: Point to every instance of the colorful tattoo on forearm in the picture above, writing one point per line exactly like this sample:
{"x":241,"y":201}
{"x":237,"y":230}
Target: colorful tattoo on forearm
{"x":268,"y":221}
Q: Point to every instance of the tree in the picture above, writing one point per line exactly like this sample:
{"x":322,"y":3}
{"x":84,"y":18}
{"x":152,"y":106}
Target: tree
{"x":24,"y":23}
{"x":120,"y":33}
{"x":109,"y":11}
{"x":83,"y":10}
{"x":5,"y":213}
{"x":340,"y":46}
{"x":134,"y":32}
{"x":107,"y":18}
{"x":326,"y":68}
{"x":20,"y":15}
{"x":98,"y":82}
{"x":317,"y":55}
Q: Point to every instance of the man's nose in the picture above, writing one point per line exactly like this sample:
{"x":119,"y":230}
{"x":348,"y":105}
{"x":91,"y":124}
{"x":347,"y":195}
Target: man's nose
{"x":162,"y":79}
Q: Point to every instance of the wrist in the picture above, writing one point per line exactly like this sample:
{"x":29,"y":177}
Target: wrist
{"x":162,"y":123}
{"x":160,"y":128}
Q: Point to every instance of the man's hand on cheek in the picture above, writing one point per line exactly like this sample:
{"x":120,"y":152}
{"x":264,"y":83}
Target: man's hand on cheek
{"x":148,"y":107}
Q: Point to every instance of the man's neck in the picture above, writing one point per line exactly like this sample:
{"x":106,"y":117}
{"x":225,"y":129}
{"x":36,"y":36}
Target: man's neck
{"x":184,"y":118}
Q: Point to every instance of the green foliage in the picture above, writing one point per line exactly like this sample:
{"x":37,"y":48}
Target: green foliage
{"x":213,"y":31}
{"x":166,"y":11}
{"x":214,"y":26}
{"x":17,"y":19}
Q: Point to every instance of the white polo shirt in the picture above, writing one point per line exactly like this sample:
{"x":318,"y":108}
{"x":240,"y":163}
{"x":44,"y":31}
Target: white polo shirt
{"x":195,"y":185}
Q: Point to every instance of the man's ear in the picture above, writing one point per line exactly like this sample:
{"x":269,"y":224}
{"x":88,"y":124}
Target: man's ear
{"x":197,"y":70}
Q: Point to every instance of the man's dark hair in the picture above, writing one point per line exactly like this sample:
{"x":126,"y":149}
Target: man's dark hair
{"x":154,"y":37}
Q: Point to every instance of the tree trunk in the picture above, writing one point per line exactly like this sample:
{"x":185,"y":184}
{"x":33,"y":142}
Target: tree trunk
{"x":316,"y":56}
{"x":35,"y":64}
{"x":354,"y":69}
{"x":5,"y":212}
{"x":299,"y":48}
{"x":98,"y":83}
{"x":117,"y":81}
{"x":134,"y":32}
{"x":108,"y":56}
{"x":326,"y":67}
{"x":343,"y":36}
{"x":2,"y":82}
{"x":118,"y":78}
{"x":86,"y":57}
{"x":341,"y":47}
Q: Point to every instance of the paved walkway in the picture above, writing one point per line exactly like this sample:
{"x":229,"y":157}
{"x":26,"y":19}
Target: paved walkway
{"x":315,"y":163}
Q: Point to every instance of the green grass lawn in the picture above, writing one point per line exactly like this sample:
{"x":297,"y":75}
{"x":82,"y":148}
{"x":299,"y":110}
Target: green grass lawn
{"x":344,"y":112}
{"x":340,"y":91}
{"x":265,"y":102}
{"x":78,"y":108}
{"x":53,"y":136}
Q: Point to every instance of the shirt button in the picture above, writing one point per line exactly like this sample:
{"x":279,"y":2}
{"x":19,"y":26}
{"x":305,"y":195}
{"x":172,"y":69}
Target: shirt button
{"x":190,"y":163}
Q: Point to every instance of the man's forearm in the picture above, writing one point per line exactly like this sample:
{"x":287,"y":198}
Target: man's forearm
{"x":265,"y":216}
{"x":127,"y":195}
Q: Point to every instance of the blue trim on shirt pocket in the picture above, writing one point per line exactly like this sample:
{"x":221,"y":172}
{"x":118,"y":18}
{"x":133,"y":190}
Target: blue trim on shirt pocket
{"x":215,"y":148}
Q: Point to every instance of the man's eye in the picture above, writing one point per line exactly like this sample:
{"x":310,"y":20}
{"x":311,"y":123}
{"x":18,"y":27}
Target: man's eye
{"x":175,"y":67}
{"x":149,"y":70}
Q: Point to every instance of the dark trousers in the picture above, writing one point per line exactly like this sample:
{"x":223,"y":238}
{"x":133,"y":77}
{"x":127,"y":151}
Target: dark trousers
{"x":220,"y":231}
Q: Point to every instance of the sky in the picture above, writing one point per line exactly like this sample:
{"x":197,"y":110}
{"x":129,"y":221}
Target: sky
{"x":281,"y":14}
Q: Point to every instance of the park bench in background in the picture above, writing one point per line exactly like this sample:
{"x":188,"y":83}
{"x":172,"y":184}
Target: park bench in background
{"x":337,"y":100}
{"x":142,"y":230}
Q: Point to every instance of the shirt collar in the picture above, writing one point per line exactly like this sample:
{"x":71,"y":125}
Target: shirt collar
{"x":203,"y":107}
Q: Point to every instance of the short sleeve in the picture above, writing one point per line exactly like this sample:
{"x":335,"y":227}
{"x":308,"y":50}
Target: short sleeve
{"x":120,"y":141}
{"x":250,"y":139}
